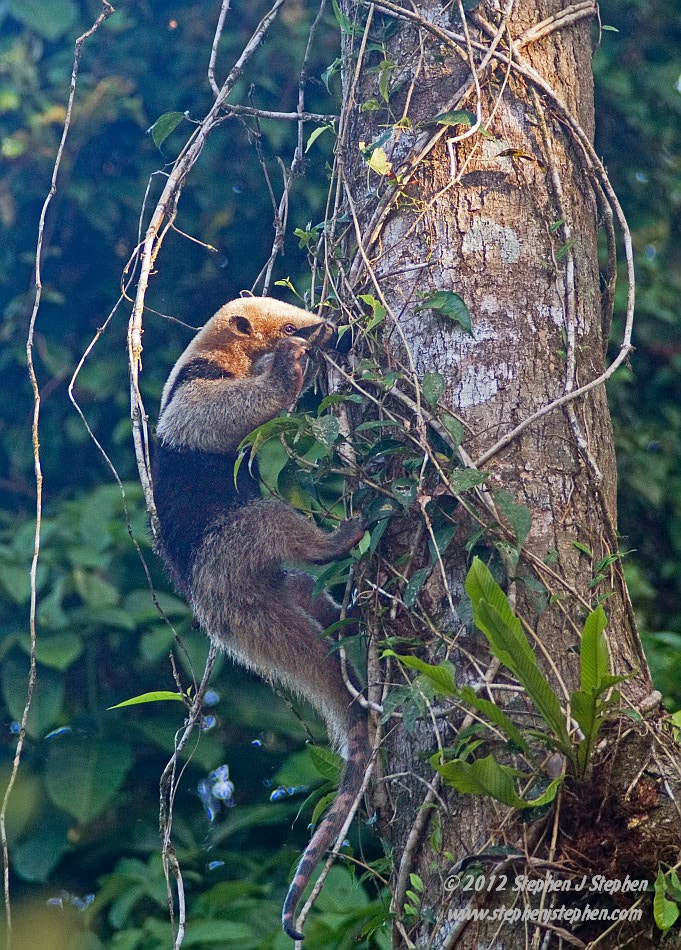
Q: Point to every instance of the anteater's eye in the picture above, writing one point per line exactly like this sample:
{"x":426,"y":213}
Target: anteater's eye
{"x":242,"y":324}
{"x":289,"y":329}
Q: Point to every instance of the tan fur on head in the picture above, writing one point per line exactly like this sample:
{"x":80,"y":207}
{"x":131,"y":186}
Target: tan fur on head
{"x":234,"y":345}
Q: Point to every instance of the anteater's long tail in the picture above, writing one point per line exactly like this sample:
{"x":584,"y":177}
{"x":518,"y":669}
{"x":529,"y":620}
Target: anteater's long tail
{"x":324,"y":837}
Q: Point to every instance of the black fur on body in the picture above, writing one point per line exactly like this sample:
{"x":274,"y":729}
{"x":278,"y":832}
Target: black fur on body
{"x":224,"y":545}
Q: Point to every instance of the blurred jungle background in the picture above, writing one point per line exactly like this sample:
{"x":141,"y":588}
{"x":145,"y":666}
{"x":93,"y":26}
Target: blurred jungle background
{"x":83,"y":823}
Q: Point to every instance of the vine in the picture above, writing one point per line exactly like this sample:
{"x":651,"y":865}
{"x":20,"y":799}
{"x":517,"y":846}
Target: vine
{"x":107,"y":10}
{"x":384,"y":430}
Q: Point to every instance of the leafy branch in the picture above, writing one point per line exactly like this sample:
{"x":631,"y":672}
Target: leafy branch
{"x":590,"y":705}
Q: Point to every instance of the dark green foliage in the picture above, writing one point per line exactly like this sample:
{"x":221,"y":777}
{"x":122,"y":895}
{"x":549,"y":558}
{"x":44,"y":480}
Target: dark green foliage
{"x":590,"y":705}
{"x":639,"y":134}
{"x":449,"y":305}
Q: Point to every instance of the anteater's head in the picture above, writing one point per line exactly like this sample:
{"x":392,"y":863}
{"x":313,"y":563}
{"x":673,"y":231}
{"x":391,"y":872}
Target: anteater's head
{"x":252,"y":326}
{"x":243,"y":332}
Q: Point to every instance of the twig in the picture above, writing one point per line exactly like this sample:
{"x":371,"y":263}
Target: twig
{"x":162,"y":217}
{"x":281,"y":212}
{"x":413,"y":840}
{"x":168,"y":787}
{"x":216,"y":42}
{"x":319,"y":883}
{"x":107,"y":11}
{"x":570,"y":297}
{"x":559,"y":21}
{"x":302,"y":116}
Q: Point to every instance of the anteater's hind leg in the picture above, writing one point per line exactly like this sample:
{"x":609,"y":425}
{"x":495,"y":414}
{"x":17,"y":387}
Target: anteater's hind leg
{"x":283,"y":643}
{"x":264,"y":616}
{"x":299,"y":586}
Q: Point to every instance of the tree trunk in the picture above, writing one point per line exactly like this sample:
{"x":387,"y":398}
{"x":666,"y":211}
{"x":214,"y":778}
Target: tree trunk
{"x":500,"y":206}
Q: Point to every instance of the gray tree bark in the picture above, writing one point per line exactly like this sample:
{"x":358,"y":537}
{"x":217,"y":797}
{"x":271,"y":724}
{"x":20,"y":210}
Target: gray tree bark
{"x":502,"y":207}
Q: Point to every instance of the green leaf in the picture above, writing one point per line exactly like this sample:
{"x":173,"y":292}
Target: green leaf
{"x":450,"y":305}
{"x":326,"y":762}
{"x":370,"y":105}
{"x":384,"y":79}
{"x":433,"y":386}
{"x":454,"y":427}
{"x":441,"y":676}
{"x":495,"y":715}
{"x":665,"y":912}
{"x":296,"y":769}
{"x":50,"y":19}
{"x":336,"y":398}
{"x":114,"y":617}
{"x":269,"y":430}
{"x":378,"y":311}
{"x":414,"y":585}
{"x":493,"y":615}
{"x":164,"y":125}
{"x":156,"y":643}
{"x":584,"y":709}
{"x":482,"y":777}
{"x":331,"y":71}
{"x":488,"y":777}
{"x":307,"y":239}
{"x":480,"y":585}
{"x":510,"y":645}
{"x":324,"y":802}
{"x":15,"y":580}
{"x":441,"y":539}
{"x":377,"y":160}
{"x":141,"y":607}
{"x":157,"y":696}
{"x":58,"y":651}
{"x":463,"y":479}
{"x":519,"y":516}
{"x":35,"y":857}
{"x":404,"y":490}
{"x":128,"y":938}
{"x":364,"y":543}
{"x":84,"y":775}
{"x":325,"y":429}
{"x":416,"y":883}
{"x":507,"y":641}
{"x":94,"y":590}
{"x":315,"y":135}
{"x":345,"y":25}
{"x":456,"y":117}
{"x":673,"y":885}
{"x":48,"y":696}
{"x":546,"y":797}
{"x":594,"y":656}
{"x":340,"y":897}
{"x":286,"y":282}
{"x":294,"y":486}
{"x":585,"y":712}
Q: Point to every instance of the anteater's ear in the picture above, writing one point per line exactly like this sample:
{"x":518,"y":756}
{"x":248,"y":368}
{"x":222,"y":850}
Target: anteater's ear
{"x":241,"y":324}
